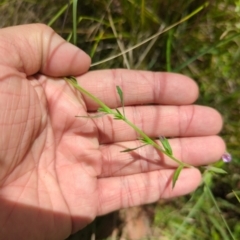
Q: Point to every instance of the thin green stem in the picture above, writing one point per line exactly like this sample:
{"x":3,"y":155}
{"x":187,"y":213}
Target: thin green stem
{"x":169,"y":50}
{"x":219,"y":211}
{"x":58,"y":14}
{"x":118,"y":115}
{"x":75,"y":2}
{"x":74,"y":83}
{"x":153,"y":143}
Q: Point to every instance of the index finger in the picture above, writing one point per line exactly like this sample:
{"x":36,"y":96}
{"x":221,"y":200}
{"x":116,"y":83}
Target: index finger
{"x":139,"y":87}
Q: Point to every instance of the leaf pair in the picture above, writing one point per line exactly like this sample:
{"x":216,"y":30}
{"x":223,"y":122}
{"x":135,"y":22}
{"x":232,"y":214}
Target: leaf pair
{"x":164,"y":141}
{"x":168,"y":149}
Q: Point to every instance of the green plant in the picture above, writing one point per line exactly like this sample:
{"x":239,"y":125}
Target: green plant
{"x":205,"y":47}
{"x":165,"y":147}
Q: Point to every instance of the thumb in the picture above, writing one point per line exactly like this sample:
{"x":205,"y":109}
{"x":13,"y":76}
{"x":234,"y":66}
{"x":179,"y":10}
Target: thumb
{"x":37,"y":48}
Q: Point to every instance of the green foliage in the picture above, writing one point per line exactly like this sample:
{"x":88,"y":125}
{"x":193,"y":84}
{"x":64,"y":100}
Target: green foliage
{"x":216,"y":170}
{"x":75,"y":12}
{"x":166,"y":145}
{"x":117,"y":115}
{"x":176,"y":175}
{"x":204,"y":47}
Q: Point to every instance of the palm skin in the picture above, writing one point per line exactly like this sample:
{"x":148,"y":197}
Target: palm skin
{"x":59,"y":172}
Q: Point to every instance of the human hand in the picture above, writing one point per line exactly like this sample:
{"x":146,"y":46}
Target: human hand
{"x":58,"y":172}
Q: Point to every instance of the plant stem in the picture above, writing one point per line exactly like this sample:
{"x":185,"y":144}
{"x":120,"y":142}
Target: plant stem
{"x":153,"y":143}
{"x":116,"y":114}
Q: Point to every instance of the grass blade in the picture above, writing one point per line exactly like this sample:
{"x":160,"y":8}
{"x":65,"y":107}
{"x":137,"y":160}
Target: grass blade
{"x":205,"y":51}
{"x":193,"y":211}
{"x":153,"y":36}
{"x":236,"y":195}
{"x":169,"y":50}
{"x":120,"y":43}
{"x":75,"y":2}
{"x":59,"y":13}
{"x":142,"y":12}
{"x":216,"y":170}
{"x":219,"y":211}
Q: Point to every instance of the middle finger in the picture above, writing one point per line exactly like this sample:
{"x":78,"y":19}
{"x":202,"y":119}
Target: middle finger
{"x":168,"y":121}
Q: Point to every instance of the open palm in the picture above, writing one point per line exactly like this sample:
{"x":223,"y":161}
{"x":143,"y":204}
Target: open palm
{"x":57,"y":171}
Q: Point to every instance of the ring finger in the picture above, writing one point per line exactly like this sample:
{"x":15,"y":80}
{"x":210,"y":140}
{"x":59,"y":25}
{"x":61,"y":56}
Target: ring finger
{"x":195,"y":151}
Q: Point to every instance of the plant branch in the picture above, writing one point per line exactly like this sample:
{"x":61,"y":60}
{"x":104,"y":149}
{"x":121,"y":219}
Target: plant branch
{"x":119,"y":116}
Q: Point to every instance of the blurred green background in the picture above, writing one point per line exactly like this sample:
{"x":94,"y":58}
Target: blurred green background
{"x":205,"y":47}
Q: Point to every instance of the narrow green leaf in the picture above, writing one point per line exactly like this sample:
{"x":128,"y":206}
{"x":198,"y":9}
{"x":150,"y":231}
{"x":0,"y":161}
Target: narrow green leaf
{"x":176,"y":175}
{"x":208,"y":190}
{"x":204,"y":51}
{"x":132,"y":149}
{"x":166,"y":145}
{"x":105,"y":110}
{"x":169,"y":51}
{"x":94,"y":116}
{"x":120,"y":93}
{"x":236,"y":195}
{"x":147,"y":141}
{"x":118,"y":115}
{"x":118,"y":112}
{"x":59,"y":13}
{"x":216,"y":170}
{"x":75,"y":2}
